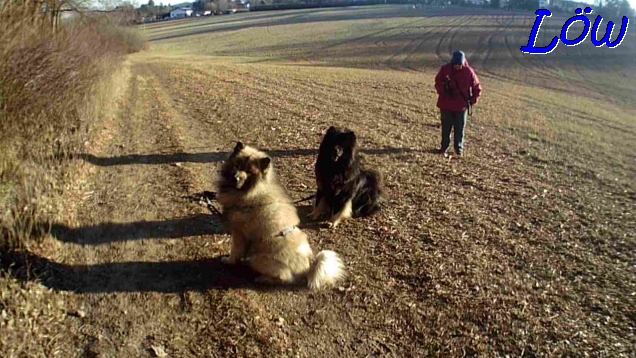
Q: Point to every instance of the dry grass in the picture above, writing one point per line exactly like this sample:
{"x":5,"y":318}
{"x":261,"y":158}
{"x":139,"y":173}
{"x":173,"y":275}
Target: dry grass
{"x":48,"y":83}
{"x":522,"y":248}
{"x":53,"y":87}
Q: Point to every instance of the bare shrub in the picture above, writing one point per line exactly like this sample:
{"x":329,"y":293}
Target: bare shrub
{"x":48,"y":72}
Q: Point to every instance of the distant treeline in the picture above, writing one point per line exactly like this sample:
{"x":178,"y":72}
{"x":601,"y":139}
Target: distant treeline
{"x":263,"y":5}
{"x":611,"y":8}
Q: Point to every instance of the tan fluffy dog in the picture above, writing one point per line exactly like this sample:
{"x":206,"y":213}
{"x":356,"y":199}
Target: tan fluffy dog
{"x":263,"y":222}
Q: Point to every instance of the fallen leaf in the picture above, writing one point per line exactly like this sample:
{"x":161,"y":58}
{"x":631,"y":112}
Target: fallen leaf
{"x":159,"y":351}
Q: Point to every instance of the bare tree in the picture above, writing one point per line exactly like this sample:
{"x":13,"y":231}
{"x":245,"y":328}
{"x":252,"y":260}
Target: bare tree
{"x":221,"y":5}
{"x":39,"y":12}
{"x":210,"y":6}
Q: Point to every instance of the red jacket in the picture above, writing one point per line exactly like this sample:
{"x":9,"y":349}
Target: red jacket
{"x":468,"y":83}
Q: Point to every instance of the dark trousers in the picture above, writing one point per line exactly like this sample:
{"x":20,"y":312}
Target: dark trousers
{"x":456,"y":120}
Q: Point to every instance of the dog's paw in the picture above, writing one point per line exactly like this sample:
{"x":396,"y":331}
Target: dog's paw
{"x":313,"y":215}
{"x":227,"y":260}
{"x":332,"y":225}
{"x":265,"y":280}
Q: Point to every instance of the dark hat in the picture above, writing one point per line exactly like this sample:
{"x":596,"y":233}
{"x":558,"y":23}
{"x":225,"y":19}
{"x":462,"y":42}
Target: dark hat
{"x":458,"y":58}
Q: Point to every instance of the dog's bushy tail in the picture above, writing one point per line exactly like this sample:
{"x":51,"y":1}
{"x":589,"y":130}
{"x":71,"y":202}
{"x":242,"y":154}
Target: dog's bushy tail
{"x":370,"y":196}
{"x":326,"y":270}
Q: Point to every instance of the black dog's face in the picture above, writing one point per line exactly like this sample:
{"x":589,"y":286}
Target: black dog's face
{"x":339,"y":144}
{"x":336,"y":153}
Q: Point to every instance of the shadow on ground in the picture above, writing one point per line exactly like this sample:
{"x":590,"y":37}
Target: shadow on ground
{"x":112,"y":232}
{"x":143,"y":276}
{"x":189,"y":226}
{"x":162,"y":277}
{"x":210,"y":157}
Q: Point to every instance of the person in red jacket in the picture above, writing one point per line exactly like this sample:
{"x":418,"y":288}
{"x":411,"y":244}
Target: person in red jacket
{"x":458,"y":89}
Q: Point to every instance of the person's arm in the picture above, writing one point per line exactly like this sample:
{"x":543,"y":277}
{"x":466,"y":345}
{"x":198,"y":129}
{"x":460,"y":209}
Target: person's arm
{"x":476,"y":87}
{"x":439,"y":82}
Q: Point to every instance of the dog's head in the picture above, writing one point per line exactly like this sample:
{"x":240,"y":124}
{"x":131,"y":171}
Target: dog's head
{"x":245,"y":167}
{"x":339,"y":145}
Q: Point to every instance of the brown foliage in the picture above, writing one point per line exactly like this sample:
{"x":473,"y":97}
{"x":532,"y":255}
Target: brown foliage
{"x":47,"y":77}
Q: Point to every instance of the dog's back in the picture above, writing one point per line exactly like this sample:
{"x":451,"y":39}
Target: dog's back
{"x":368,"y":196}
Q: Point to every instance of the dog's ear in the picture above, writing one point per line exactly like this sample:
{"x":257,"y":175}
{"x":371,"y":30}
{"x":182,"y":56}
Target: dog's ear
{"x":264,"y":164}
{"x":331,"y":130}
{"x":351,"y":138}
{"x":239,"y":147}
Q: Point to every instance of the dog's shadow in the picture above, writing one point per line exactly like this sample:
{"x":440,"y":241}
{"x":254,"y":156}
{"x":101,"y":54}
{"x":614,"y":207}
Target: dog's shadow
{"x":143,"y":276}
{"x":162,"y":277}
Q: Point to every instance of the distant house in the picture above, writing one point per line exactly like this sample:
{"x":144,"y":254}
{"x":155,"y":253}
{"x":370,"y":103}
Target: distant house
{"x":568,"y":6}
{"x":180,"y":13}
{"x":68,"y":15}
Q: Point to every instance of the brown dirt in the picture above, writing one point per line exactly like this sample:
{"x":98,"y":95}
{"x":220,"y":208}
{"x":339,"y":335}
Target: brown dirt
{"x":522,"y":248}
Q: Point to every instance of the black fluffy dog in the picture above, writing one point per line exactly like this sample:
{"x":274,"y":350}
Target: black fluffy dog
{"x":344,"y":190}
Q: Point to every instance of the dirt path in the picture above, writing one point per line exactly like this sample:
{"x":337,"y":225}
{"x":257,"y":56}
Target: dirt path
{"x":144,"y":260}
{"x":135,"y":256}
{"x":468,"y":258}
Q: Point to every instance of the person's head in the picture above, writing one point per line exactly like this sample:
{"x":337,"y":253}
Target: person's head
{"x":458,"y":60}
